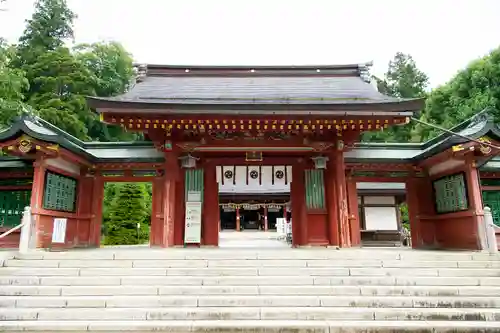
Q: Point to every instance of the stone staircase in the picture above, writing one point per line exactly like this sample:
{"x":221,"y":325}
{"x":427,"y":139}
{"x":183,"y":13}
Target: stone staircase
{"x":240,"y":290}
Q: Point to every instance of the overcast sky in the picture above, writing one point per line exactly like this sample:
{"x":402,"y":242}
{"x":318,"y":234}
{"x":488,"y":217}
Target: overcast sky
{"x":443,"y":36}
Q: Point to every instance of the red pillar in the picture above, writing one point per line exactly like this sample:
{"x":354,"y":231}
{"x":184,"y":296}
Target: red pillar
{"x":180,"y":209}
{"x":352,"y":193}
{"x":266,"y":226}
{"x":155,"y":237}
{"x":299,"y":214}
{"x":210,"y":216}
{"x":340,"y":185}
{"x":238,"y":226}
{"x":96,"y":213}
{"x":332,"y":206}
{"x":420,"y":203}
{"x":36,"y":203}
{"x":172,"y":171}
{"x":475,"y":200}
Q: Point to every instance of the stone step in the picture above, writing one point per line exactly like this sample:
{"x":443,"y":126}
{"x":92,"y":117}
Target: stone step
{"x":226,"y":263}
{"x":248,"y":301}
{"x":249,"y":313}
{"x":247,"y":280}
{"x":186,"y":290}
{"x":262,"y":254}
{"x":245,"y":271}
{"x":254,"y":326}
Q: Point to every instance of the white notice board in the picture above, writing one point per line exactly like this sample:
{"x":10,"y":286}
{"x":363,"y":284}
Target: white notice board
{"x":192,"y":227}
{"x":59,"y":231}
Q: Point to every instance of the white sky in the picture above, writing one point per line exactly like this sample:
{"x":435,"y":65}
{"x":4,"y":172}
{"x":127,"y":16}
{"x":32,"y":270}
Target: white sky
{"x":443,"y":36}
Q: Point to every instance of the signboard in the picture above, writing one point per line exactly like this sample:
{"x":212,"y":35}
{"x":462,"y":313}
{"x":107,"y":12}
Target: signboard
{"x":194,"y":196}
{"x":59,"y":231}
{"x":192,"y":227}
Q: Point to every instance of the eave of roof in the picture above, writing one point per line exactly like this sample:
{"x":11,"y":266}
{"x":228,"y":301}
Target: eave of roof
{"x":480,"y":125}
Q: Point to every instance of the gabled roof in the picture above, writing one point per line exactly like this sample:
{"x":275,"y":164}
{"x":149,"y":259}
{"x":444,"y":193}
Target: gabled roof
{"x":331,"y":87}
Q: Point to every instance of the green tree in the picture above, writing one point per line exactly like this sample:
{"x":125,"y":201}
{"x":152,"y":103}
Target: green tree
{"x":473,"y":89}
{"x":127,"y":209}
{"x":12,"y":84}
{"x":112,"y":67}
{"x":403,"y":79}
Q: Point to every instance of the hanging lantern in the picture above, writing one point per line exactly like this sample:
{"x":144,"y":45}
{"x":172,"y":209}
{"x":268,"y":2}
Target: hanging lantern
{"x":188,"y":161}
{"x":320,"y":162}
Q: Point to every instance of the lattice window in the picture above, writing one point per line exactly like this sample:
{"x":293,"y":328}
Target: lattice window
{"x":12,"y":204}
{"x":194,"y":182}
{"x":450,"y":194}
{"x":59,"y":193}
{"x":315,"y":189}
{"x":492,"y":200}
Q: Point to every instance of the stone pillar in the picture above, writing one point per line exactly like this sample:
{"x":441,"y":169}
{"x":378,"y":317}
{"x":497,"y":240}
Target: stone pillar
{"x":355,"y":227}
{"x":299,"y":214}
{"x":211,"y":212}
{"x":172,"y":171}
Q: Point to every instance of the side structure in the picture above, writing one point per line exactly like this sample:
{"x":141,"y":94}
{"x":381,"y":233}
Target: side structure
{"x":191,"y":132}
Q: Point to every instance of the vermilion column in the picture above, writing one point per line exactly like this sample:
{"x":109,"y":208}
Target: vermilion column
{"x":210,"y":218}
{"x":352,"y":193}
{"x":96,"y":213}
{"x":238,"y":226}
{"x":340,"y":185}
{"x":416,"y":199}
{"x":299,"y":214}
{"x":332,"y":206}
{"x":156,"y":233}
{"x":172,"y":171}
{"x":475,"y":200}
{"x":36,"y":202}
{"x":266,"y":226}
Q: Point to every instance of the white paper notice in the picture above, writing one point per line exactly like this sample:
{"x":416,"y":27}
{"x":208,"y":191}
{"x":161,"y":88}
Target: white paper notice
{"x":192,"y":229}
{"x":59,"y":231}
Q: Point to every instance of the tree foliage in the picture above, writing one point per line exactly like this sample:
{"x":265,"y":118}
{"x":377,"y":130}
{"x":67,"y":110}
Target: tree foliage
{"x":13,"y":83}
{"x":128,"y":207}
{"x":473,"y":89}
{"x":403,"y":79}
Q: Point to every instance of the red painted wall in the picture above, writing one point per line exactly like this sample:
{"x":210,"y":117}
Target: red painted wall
{"x":317,"y":228}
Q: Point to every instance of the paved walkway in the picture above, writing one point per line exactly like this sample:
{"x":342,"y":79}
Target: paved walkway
{"x":250,"y":239}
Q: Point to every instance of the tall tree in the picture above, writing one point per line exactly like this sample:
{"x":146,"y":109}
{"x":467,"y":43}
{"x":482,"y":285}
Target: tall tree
{"x":112,"y":67}
{"x":127,"y":209}
{"x":473,"y":89}
{"x":12,"y":84}
{"x":403,"y":79}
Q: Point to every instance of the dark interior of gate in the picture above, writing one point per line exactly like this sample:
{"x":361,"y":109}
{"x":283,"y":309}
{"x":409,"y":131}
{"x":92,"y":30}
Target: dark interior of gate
{"x":236,"y":148}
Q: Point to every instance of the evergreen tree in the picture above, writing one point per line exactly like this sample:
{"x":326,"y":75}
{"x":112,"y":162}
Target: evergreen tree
{"x":473,"y":89}
{"x":127,"y":209}
{"x":13,"y":83}
{"x":403,"y":79}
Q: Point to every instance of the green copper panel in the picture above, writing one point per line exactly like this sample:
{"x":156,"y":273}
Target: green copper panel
{"x":492,"y":200}
{"x":450,"y":194}
{"x":194,"y":182}
{"x":315,"y":189}
{"x":59,"y":193}
{"x":12,"y":204}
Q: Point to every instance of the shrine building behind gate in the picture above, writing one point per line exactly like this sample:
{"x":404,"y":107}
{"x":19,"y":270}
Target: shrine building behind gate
{"x":248,"y":145}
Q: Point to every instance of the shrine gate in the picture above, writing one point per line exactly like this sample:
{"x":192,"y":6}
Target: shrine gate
{"x":305,"y":119}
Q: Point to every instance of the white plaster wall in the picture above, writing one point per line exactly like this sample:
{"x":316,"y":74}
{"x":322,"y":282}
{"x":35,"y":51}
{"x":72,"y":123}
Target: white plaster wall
{"x":238,"y":182}
{"x":443,"y":166}
{"x":63,"y":165}
{"x":380,"y":218}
